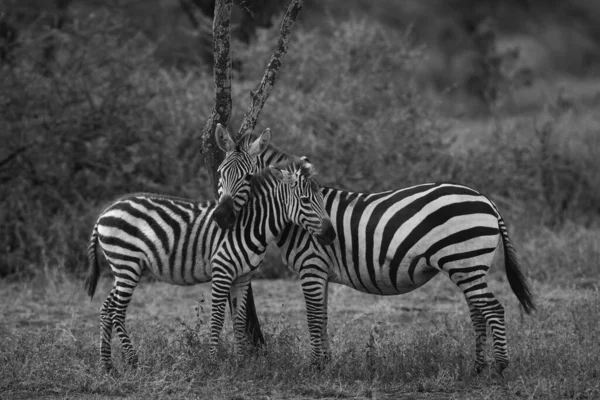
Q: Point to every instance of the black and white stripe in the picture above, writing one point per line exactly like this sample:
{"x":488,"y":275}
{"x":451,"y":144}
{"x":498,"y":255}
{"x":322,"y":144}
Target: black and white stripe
{"x":274,"y":203}
{"x":394,"y":242}
{"x":178,"y":242}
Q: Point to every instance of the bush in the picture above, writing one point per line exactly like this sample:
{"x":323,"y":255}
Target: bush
{"x":108,"y":119}
{"x":83,"y":132}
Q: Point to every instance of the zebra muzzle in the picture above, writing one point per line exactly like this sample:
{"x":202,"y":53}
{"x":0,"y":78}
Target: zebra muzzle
{"x":224,"y":214}
{"x":327,"y":234}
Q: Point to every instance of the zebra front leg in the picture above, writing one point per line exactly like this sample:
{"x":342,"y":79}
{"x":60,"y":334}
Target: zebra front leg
{"x":314,"y":287}
{"x":324,"y":335}
{"x":238,"y":297}
{"x":221,"y":286}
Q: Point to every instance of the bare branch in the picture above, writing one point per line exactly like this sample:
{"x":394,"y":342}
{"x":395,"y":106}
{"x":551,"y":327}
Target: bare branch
{"x":222,"y":76}
{"x":13,"y":155}
{"x":260,"y":96}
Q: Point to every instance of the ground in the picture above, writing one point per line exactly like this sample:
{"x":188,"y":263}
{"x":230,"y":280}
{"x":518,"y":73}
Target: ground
{"x":416,"y":346}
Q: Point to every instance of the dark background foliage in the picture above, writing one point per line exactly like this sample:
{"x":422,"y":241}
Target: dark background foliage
{"x":104,"y":97}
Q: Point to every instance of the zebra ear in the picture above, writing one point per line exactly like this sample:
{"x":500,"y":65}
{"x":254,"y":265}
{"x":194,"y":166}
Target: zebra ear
{"x":308,"y":170}
{"x":284,"y":176}
{"x":260,"y":144}
{"x":223,"y":139}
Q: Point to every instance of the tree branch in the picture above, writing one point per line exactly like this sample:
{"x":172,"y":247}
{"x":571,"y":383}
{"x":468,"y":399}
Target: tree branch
{"x":222,"y":76}
{"x":13,"y":155}
{"x":260,"y":96}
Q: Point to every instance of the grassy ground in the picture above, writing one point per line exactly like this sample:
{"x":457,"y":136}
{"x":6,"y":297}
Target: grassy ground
{"x":416,"y":346}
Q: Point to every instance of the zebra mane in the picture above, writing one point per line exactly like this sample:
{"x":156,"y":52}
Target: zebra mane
{"x":294,"y":164}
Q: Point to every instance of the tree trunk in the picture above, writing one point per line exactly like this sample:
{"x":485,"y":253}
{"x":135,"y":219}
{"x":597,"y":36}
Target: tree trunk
{"x":221,"y":113}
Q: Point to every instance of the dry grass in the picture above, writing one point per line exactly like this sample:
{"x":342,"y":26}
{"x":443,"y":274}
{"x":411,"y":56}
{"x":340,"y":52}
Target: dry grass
{"x":419,"y":345}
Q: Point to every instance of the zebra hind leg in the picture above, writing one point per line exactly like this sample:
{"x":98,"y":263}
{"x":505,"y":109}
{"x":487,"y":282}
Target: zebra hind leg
{"x":479,"y":324}
{"x":483,"y":304}
{"x":106,"y":326}
{"x":492,"y":311}
{"x":122,"y":296}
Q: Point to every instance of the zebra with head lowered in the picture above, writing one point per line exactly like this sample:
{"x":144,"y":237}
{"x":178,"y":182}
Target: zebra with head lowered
{"x":387,"y":243}
{"x":178,"y":242}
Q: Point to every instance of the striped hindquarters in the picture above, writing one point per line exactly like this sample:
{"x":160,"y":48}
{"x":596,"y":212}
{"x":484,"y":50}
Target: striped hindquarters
{"x":171,"y":237}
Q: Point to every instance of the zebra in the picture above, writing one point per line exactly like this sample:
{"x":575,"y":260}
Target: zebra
{"x":177,"y":241}
{"x":388,"y":243}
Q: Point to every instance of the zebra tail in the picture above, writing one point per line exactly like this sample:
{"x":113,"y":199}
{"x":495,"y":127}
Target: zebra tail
{"x":94,"y":269}
{"x":516,"y":279}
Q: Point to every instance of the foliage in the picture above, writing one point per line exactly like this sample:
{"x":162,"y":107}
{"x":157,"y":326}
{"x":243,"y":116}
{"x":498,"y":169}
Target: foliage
{"x":82,"y":133}
{"x":106,"y":118}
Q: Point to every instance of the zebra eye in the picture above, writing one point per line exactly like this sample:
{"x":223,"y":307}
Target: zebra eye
{"x":304,"y":199}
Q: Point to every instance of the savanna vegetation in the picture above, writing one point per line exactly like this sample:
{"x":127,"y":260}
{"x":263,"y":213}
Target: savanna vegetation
{"x":107,"y":97}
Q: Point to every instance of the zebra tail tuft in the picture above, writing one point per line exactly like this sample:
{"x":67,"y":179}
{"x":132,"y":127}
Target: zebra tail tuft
{"x":94,"y":269}
{"x":516,"y":279}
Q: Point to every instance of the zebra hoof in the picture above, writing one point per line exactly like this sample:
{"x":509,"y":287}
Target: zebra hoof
{"x":133,"y":362}
{"x":110,"y":370}
{"x":478,"y":369}
{"x":500,"y":370}
{"x":318,"y":365}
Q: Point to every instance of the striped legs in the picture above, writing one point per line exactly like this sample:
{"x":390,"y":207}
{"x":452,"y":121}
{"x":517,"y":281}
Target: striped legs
{"x":222,"y":280}
{"x":314,"y":287}
{"x":112,"y":315}
{"x":493,"y":312}
{"x":486,"y":310}
{"x":480,"y":336}
{"x":106,"y":332}
{"x":238,"y":297}
{"x":223,"y":286}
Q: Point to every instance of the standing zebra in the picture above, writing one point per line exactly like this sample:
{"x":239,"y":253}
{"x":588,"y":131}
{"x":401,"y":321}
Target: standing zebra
{"x":388,"y":243}
{"x":178,"y":242}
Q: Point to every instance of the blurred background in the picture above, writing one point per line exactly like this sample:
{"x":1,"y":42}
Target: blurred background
{"x":100,"y":98}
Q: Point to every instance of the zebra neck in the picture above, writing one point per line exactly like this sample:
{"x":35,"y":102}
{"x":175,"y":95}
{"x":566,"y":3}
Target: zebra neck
{"x":272,"y":156}
{"x":264,"y":216}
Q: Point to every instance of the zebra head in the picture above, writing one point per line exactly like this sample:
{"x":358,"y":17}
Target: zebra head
{"x":235,"y":171}
{"x":303,"y":201}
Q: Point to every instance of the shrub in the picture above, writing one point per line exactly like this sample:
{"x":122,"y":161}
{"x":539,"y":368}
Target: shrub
{"x":80,"y":133}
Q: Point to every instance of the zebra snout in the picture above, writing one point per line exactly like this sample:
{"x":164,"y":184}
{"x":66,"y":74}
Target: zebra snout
{"x":224,"y":214}
{"x":327,"y":235}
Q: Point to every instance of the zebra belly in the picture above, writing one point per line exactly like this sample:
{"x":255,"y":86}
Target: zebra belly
{"x":201,"y":273}
{"x":377,"y":279}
